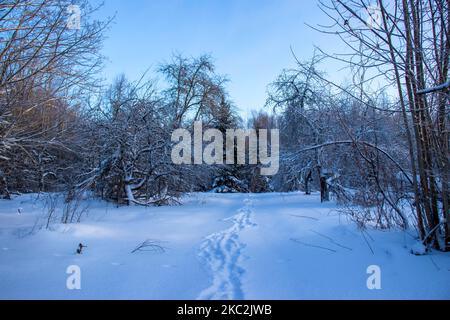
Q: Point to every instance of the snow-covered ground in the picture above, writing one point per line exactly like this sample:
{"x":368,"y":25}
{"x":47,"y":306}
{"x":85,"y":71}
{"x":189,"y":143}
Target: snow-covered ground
{"x":214,"y":246}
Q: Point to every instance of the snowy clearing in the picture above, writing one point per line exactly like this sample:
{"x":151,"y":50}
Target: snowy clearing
{"x":214,"y":246}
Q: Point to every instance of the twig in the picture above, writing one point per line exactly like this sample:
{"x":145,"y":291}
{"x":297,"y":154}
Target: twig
{"x":435,"y":264}
{"x":150,"y":246}
{"x":332,"y":240}
{"x":313,"y":246}
{"x":305,"y":217}
{"x":368,"y":244}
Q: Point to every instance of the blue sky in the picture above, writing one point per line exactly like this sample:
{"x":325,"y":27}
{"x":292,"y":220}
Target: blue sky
{"x":250,"y":40}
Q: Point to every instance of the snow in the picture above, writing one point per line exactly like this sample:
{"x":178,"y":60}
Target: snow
{"x":418,"y":249}
{"x":215,"y":246}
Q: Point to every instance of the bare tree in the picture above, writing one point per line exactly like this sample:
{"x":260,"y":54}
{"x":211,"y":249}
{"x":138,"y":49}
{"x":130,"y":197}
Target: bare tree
{"x":407,"y":45}
{"x":194,"y":92}
{"x":304,"y":99}
{"x":45,"y":67}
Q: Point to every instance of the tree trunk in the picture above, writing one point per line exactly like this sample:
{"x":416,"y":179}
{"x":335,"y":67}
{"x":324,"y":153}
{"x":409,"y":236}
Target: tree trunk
{"x":308,"y":179}
{"x":324,"y":192}
{"x":4,"y":192}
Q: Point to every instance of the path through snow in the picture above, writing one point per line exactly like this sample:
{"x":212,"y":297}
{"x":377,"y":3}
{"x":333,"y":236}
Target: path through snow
{"x":222,"y":253}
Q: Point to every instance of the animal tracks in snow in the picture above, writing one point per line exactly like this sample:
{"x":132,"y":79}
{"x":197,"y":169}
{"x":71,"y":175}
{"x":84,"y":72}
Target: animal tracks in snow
{"x":222,"y":253}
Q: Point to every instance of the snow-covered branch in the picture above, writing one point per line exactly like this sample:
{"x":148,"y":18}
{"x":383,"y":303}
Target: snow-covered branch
{"x":441,"y":87}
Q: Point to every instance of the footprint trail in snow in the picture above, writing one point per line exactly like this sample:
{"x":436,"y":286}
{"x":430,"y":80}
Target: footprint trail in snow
{"x":221,"y":253}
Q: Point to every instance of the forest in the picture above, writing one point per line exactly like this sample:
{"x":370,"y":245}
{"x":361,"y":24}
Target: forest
{"x":377,"y":146}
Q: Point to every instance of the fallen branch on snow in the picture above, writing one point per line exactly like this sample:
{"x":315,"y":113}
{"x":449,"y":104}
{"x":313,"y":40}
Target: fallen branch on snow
{"x":150,"y":246}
